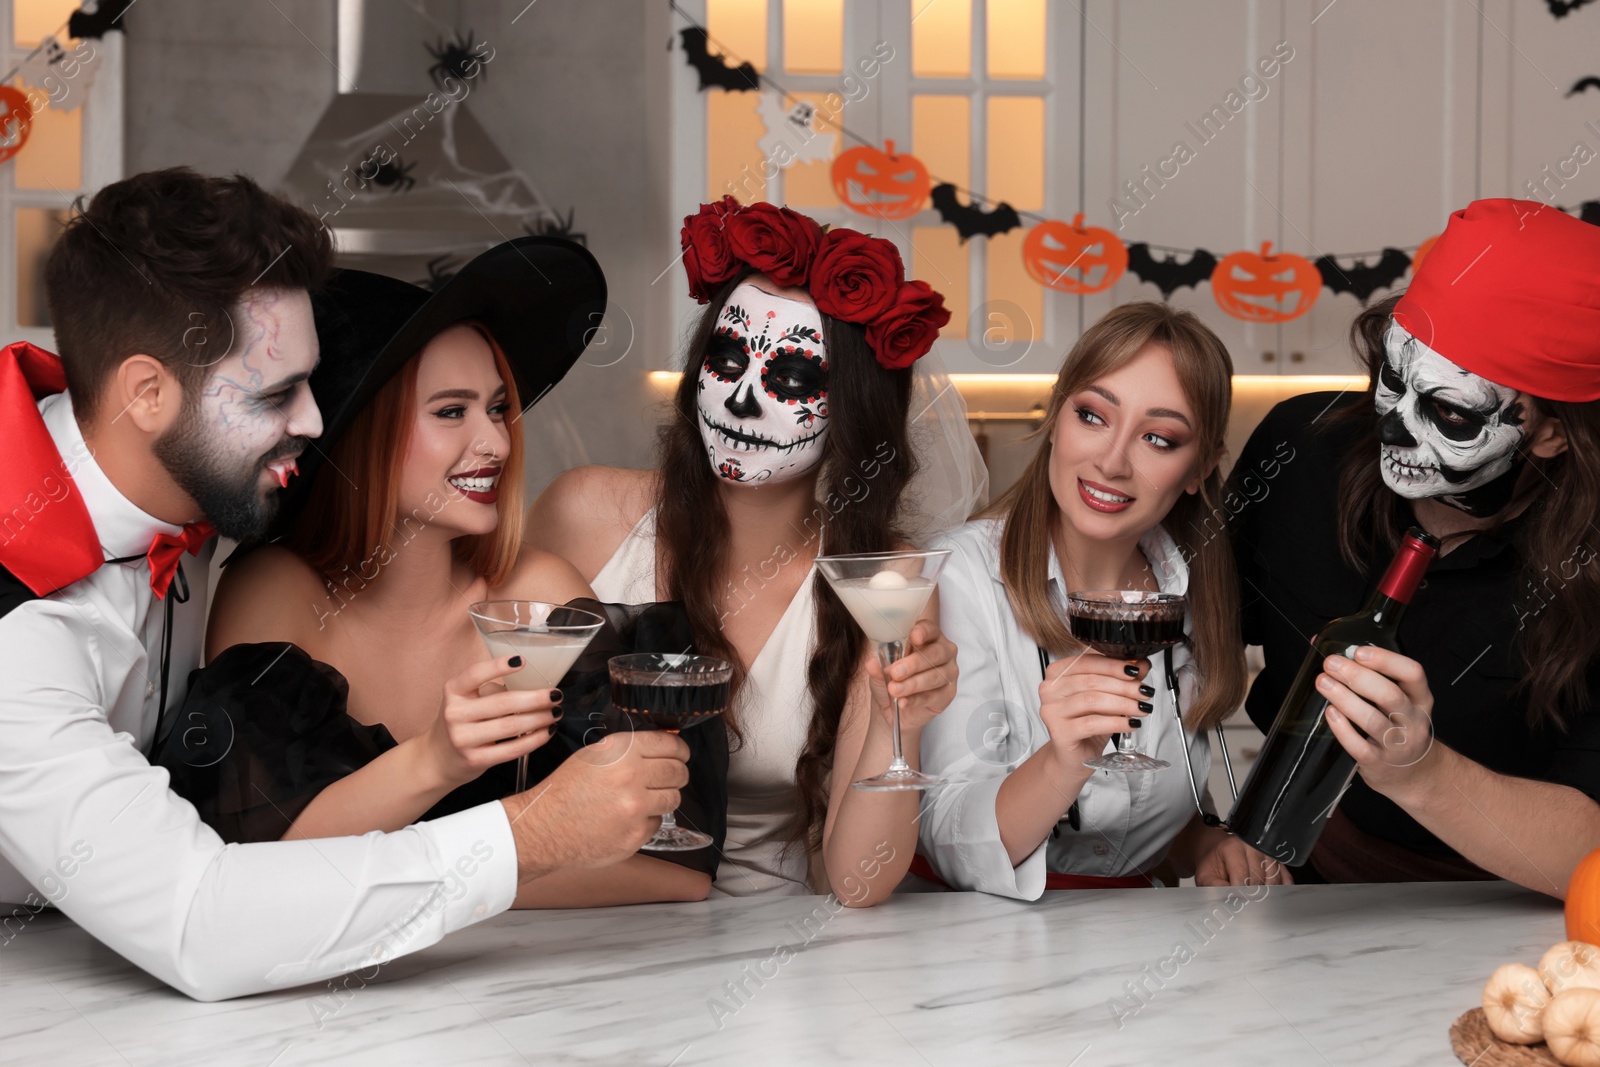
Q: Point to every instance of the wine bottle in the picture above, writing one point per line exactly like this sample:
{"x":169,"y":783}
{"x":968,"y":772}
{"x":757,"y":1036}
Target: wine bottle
{"x":1303,"y":770}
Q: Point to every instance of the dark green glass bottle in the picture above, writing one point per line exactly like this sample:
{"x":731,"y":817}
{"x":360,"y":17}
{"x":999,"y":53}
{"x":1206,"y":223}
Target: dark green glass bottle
{"x":1302,"y":771}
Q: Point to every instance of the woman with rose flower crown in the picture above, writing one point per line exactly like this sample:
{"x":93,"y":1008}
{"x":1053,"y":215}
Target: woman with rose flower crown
{"x":789,"y":440}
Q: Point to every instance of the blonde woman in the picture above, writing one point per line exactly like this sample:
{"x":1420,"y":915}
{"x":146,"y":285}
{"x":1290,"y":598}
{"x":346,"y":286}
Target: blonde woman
{"x":1123,"y":493}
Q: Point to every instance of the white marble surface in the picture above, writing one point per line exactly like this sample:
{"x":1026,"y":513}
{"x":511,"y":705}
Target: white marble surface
{"x":1300,"y":975}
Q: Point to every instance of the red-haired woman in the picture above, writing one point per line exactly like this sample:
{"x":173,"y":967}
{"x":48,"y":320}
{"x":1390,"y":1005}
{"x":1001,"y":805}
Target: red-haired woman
{"x":1120,"y":495}
{"x":788,"y":440}
{"x":373,"y":702}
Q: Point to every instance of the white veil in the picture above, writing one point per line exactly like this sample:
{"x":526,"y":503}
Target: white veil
{"x":952,"y":480}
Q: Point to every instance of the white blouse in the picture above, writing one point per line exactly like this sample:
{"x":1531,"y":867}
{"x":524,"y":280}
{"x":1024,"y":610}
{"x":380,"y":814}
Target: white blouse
{"x":1126,"y":821}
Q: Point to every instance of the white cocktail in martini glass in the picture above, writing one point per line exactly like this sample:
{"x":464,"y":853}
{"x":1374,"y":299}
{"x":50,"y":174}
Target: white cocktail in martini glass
{"x":885,"y":593}
{"x":548,"y":637}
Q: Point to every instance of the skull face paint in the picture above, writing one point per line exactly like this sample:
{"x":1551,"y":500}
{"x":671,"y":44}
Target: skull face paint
{"x":763,"y":388}
{"x":1445,"y":432}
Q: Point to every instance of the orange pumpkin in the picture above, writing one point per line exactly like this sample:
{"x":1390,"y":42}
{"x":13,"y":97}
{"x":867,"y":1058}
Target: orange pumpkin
{"x":16,"y":121}
{"x":1422,"y":250}
{"x":880,"y":182}
{"x":1263,"y":287}
{"x":1075,"y":258}
{"x":1583,"y":901}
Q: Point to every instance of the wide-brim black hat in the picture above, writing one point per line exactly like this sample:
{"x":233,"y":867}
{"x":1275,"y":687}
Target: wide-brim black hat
{"x":541,"y":298}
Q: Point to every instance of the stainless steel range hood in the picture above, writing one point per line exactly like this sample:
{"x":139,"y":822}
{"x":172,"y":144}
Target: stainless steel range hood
{"x":407,"y":179}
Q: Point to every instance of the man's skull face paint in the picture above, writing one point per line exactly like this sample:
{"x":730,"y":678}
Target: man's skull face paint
{"x":1444,"y":431}
{"x":763,"y":389}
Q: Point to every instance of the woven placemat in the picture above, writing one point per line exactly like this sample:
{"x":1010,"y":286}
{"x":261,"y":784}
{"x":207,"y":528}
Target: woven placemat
{"x":1475,"y":1043}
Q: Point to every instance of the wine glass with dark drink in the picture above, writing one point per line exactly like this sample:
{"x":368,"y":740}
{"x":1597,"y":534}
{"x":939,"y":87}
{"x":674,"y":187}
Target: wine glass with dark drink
{"x":1126,"y":624}
{"x":670,"y":691}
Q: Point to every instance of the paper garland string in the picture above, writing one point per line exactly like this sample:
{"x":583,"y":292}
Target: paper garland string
{"x":1255,"y":286}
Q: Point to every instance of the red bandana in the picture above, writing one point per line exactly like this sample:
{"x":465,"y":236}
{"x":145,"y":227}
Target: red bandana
{"x":1511,"y":292}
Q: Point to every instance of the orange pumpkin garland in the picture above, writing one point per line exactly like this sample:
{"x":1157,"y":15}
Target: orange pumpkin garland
{"x":881,"y":182}
{"x":1074,"y":258}
{"x":1265,"y":286}
{"x":16,"y":121}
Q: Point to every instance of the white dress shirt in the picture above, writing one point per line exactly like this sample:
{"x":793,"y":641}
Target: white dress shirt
{"x":1127,"y":821}
{"x":89,"y":825}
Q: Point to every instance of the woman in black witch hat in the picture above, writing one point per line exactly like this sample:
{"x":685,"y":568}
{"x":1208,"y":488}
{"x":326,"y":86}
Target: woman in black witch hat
{"x":347,"y":689}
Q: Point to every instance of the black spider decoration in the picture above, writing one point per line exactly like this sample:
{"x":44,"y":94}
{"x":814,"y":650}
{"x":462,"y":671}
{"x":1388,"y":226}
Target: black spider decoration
{"x":440,"y":270}
{"x":556,"y":227}
{"x":394,"y":176}
{"x":455,"y":58}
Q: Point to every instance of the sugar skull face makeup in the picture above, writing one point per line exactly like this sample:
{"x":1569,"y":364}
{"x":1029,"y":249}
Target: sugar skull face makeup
{"x":1444,"y":431}
{"x":763,"y":388}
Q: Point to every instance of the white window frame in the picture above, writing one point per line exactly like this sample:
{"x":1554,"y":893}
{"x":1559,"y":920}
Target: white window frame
{"x":885,"y":114}
{"x":102,"y":164}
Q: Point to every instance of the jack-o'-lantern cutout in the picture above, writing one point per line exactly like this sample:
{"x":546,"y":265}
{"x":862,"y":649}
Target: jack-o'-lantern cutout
{"x":1266,"y":286}
{"x":1074,"y":258}
{"x":881,"y":182}
{"x":16,"y":121}
{"x":1421,"y":253}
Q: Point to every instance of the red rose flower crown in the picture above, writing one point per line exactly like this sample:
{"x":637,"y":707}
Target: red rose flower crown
{"x":851,"y":276}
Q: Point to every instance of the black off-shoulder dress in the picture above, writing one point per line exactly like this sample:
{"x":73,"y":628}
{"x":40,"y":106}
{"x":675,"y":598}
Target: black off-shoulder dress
{"x":264,"y":728}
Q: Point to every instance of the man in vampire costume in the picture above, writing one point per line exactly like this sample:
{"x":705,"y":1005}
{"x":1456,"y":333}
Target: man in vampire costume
{"x":176,"y":411}
{"x":1478,"y":749}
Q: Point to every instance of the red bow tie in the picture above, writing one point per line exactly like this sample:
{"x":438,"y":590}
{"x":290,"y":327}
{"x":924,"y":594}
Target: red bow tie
{"x":167,"y":549}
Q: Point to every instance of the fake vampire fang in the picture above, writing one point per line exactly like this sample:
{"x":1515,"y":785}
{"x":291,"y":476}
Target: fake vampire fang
{"x":284,"y":471}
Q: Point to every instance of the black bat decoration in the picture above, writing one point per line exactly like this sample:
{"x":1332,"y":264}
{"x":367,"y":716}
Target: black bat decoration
{"x":106,"y":15}
{"x":1362,"y":280}
{"x":713,"y":69}
{"x":1560,"y":8}
{"x":1168,"y":274}
{"x":969,"y":220}
{"x":1583,"y":85}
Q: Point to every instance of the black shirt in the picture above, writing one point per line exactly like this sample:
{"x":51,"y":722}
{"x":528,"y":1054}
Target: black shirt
{"x":1283,"y":499}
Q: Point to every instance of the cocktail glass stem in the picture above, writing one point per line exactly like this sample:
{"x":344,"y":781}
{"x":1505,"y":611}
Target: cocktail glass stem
{"x":522,"y":773}
{"x":890,"y":653}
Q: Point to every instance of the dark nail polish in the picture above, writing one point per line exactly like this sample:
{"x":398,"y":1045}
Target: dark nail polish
{"x":556,"y":714}
{"x":555,"y":696}
{"x":552,"y":730}
{"x":1146,"y":691}
{"x":1131,"y":670}
{"x":1145,"y":705}
{"x":1135,"y":724}
{"x":515,"y":661}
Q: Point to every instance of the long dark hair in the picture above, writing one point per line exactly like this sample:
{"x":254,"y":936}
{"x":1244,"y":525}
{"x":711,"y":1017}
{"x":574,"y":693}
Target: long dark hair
{"x":867,"y":446}
{"x":1558,"y":589}
{"x":1196,"y":522}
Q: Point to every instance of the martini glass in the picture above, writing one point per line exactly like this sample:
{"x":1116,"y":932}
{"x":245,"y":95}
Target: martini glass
{"x":670,"y":691}
{"x":548,"y":637}
{"x":885,"y":593}
{"x":1126,"y":624}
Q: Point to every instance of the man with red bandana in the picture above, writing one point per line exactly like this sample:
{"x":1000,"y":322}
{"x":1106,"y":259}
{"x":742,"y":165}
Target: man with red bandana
{"x":1478,"y":750}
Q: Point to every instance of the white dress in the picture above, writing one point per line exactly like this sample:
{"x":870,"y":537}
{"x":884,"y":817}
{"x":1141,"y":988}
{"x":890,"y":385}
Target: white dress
{"x":1126,"y":821}
{"x":774,"y":712}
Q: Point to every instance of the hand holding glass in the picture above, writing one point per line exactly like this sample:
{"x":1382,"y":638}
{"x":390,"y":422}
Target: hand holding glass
{"x":1126,"y":624}
{"x":885,"y":593}
{"x":672,"y":692}
{"x":548,"y":637}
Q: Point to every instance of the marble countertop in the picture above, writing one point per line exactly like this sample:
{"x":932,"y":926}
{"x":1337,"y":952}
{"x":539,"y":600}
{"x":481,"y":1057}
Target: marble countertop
{"x":1314,"y":975}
